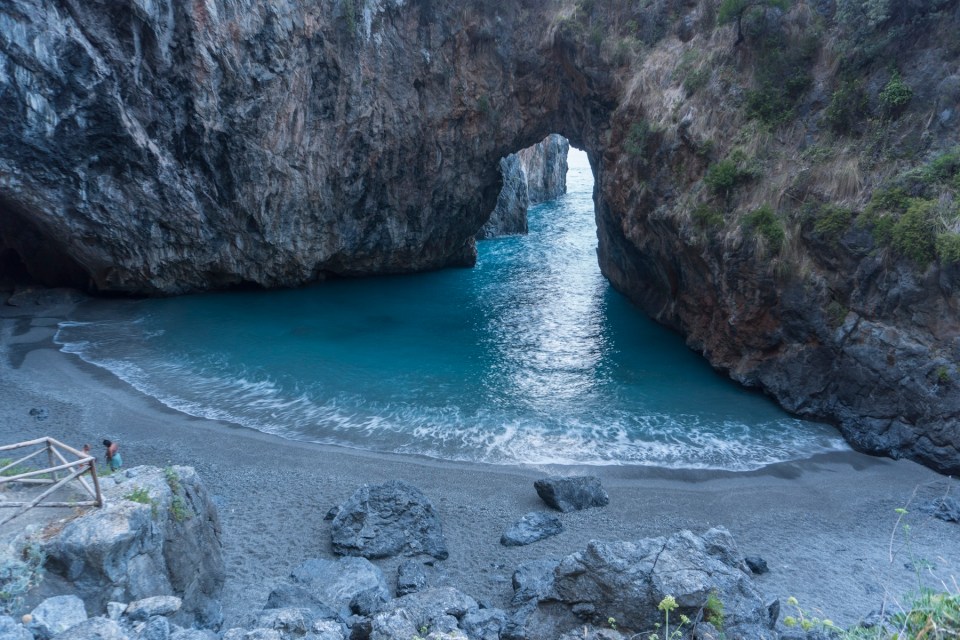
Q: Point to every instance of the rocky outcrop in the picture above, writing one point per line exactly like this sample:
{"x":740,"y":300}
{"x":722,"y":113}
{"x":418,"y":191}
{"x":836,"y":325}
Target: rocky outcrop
{"x":628,"y":581}
{"x":531,"y":528}
{"x":545,"y":167}
{"x":394,"y":518}
{"x":159,"y":534}
{"x":530,"y":176}
{"x":165,"y":147}
{"x":509,"y":217}
{"x":330,"y":589}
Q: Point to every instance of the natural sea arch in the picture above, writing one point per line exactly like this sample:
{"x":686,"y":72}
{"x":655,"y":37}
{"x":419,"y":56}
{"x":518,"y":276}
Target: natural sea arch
{"x":166,"y":147}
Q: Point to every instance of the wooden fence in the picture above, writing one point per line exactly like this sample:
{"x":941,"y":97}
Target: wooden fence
{"x":59,"y":473}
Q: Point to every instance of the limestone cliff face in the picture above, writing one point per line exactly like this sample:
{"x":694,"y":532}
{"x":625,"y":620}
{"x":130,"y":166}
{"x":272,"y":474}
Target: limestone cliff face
{"x":163,"y":147}
{"x":530,"y":176}
{"x":545,"y":166}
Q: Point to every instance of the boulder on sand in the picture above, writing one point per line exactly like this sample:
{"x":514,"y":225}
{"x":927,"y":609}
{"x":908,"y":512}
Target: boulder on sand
{"x":571,"y":493}
{"x":390,"y":519}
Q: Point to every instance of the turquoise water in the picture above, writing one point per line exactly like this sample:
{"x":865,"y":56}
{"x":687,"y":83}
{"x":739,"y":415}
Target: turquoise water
{"x":528,"y":358}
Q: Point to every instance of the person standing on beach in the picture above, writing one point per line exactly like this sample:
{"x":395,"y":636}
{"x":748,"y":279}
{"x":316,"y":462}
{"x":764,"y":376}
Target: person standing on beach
{"x":113,"y":455}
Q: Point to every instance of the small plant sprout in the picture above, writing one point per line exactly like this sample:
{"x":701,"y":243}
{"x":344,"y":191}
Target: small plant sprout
{"x":612,"y":622}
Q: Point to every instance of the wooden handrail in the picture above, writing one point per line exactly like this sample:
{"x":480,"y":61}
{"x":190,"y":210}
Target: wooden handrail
{"x":85,"y":464}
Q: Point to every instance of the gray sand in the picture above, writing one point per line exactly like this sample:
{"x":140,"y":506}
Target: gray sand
{"x":823,"y":525}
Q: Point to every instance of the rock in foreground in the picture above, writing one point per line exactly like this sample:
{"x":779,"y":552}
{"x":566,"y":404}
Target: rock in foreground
{"x":158,"y":534}
{"x":628,"y":580}
{"x":572,"y":493}
{"x":386,"y":520}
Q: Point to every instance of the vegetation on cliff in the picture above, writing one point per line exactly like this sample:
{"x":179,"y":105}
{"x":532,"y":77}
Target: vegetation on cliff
{"x":803,"y":157}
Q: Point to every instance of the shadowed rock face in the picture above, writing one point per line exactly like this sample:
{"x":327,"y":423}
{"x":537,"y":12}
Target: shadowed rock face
{"x":173,"y":146}
{"x":164,"y":147}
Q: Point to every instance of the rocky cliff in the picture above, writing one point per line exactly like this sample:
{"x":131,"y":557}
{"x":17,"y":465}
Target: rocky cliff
{"x":530,"y":176}
{"x":157,"y":535}
{"x":786,"y":200}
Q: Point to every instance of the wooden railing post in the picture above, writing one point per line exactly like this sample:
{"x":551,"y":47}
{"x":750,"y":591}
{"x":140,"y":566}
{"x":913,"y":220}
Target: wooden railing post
{"x":96,"y":483}
{"x":50,"y":458}
{"x":84,"y":464}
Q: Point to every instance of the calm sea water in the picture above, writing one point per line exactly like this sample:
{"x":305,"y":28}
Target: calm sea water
{"x":530,"y":357}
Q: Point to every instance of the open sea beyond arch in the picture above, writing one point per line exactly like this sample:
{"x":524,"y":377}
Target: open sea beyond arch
{"x":528,"y":358}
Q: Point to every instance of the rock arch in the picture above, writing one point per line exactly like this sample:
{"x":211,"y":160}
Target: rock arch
{"x":174,"y":146}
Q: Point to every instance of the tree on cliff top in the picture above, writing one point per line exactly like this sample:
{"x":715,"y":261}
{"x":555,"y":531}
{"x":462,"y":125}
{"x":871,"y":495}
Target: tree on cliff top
{"x":731,"y":10}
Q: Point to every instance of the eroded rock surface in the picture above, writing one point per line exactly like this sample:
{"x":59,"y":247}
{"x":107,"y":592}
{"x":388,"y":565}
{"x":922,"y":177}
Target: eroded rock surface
{"x":159,"y":534}
{"x":627,"y":581}
{"x":389,"y":519}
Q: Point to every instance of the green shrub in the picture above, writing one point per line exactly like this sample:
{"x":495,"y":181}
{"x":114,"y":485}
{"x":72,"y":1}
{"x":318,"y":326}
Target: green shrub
{"x":848,"y":107}
{"x":944,"y":168}
{"x":736,"y":10}
{"x":836,"y":313}
{"x":178,"y":506}
{"x":764,"y":222}
{"x":832,"y":222}
{"x":713,"y":610}
{"x":14,"y":470}
{"x":140,"y":495}
{"x":889,"y":200}
{"x":914,"y":234}
{"x":724,"y":176}
{"x":706,"y":217}
{"x":948,"y":247}
{"x":882,"y":212}
{"x":696,"y":80}
{"x":781,"y":76}
{"x":895,"y":96}
{"x":637,"y":138}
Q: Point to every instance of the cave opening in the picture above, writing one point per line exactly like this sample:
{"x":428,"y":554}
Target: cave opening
{"x":30,"y":257}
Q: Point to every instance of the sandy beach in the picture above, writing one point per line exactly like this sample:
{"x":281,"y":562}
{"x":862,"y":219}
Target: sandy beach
{"x":826,"y":525}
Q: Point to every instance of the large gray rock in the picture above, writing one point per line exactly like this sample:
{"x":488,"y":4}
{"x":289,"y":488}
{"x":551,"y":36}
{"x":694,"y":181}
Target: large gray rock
{"x":157,"y":628}
{"x":192,"y":634}
{"x":484,"y":624}
{"x":328,"y":587}
{"x":55,"y":615}
{"x":531,"y":528}
{"x":628,"y":580}
{"x":130,"y":550}
{"x":436,"y":610}
{"x":10,"y":629}
{"x":94,"y":629}
{"x":389,"y":519}
{"x":297,"y":624}
{"x":153,"y":606}
{"x":533,"y":580}
{"x":571,"y":493}
{"x":411,"y":577}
